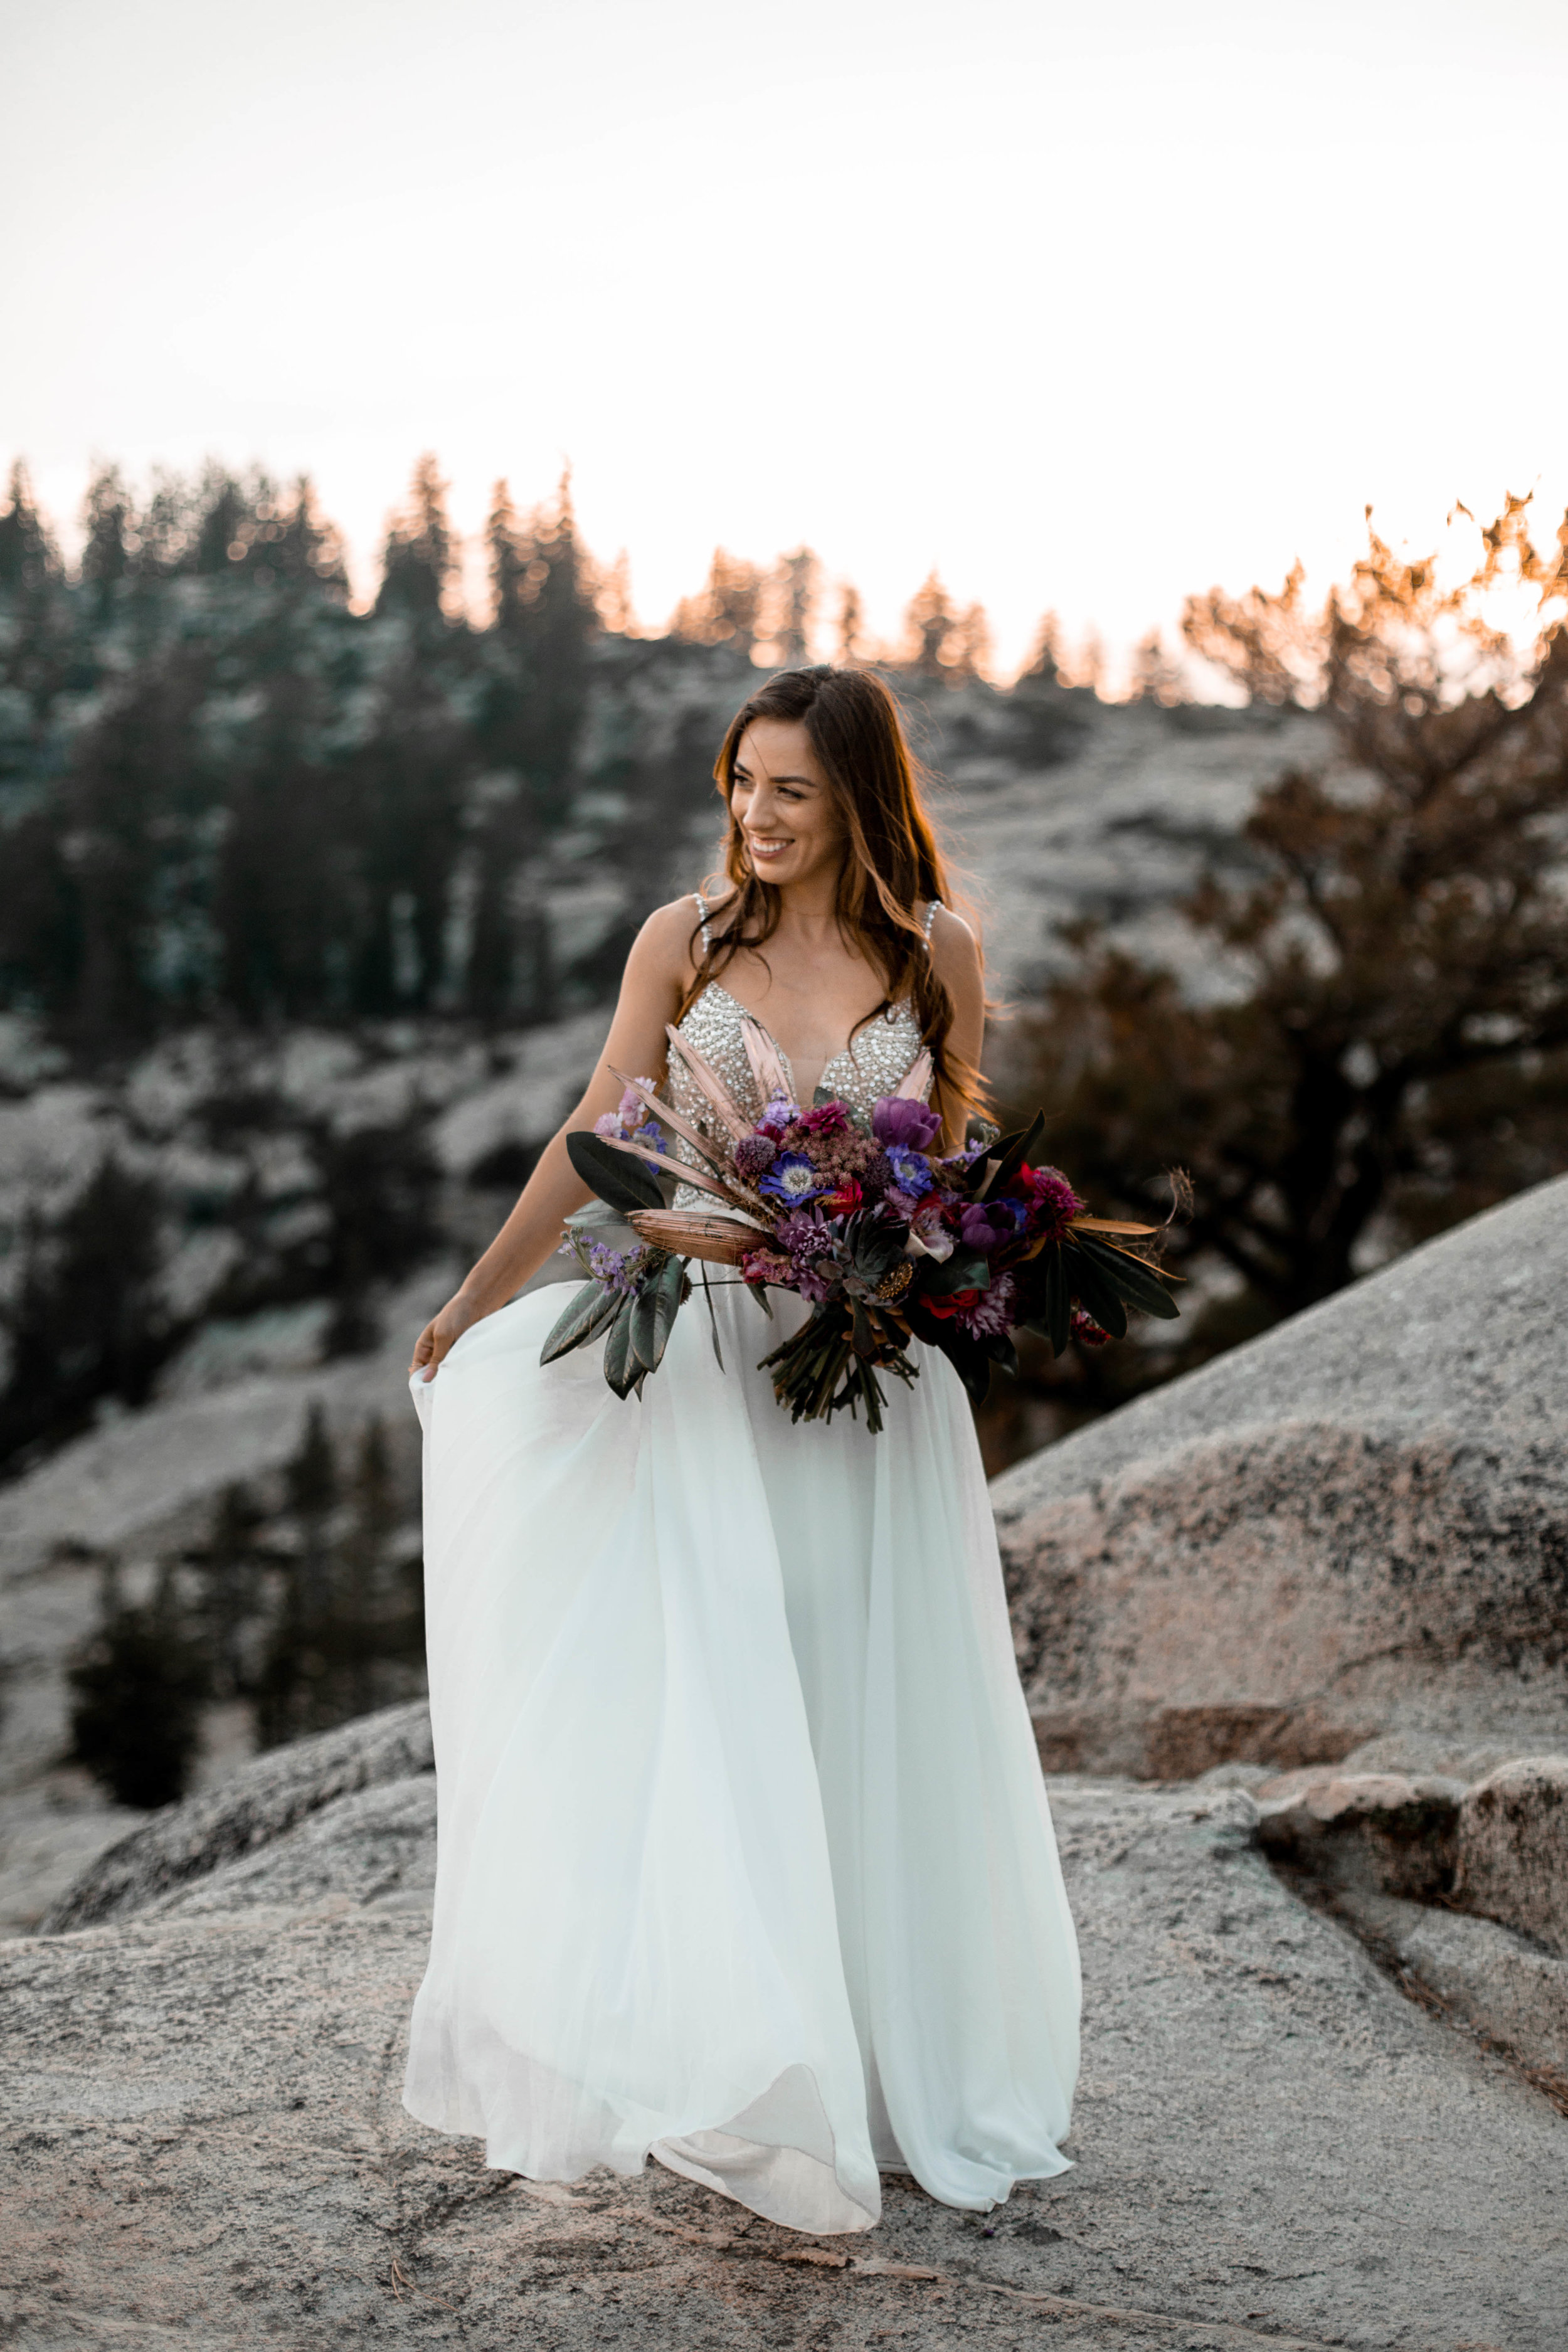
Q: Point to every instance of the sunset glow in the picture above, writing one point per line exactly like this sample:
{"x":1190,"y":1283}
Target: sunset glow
{"x":1085,"y":309}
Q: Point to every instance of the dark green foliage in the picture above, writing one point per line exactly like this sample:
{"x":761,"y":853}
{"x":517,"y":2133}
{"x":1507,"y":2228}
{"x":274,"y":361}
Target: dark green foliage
{"x":348,"y":1632}
{"x":219,"y":788}
{"x":621,"y":1182}
{"x":86,"y":1323}
{"x":137,"y":1694}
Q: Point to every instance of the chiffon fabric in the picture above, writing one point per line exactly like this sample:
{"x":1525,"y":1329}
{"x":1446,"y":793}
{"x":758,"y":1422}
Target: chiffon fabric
{"x":745,"y":1860}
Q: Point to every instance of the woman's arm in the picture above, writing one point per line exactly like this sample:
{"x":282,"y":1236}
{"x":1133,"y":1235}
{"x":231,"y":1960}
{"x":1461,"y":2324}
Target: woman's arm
{"x":956,"y":960}
{"x":657,"y":974}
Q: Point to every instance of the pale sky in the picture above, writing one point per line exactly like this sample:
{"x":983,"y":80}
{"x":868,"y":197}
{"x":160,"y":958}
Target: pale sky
{"x":1084,"y":305}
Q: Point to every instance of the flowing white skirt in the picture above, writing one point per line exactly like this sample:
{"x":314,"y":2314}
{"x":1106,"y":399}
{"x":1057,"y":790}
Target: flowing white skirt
{"x":744,"y":1858}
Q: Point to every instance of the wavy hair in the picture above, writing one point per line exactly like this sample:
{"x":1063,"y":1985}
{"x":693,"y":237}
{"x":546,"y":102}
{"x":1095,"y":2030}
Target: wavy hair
{"x":891,"y":865}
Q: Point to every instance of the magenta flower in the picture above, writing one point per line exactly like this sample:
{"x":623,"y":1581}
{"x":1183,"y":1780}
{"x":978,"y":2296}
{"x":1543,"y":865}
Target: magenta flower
{"x":825,"y":1118}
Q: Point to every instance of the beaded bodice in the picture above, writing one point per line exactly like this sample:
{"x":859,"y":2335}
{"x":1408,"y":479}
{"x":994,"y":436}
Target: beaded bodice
{"x":871,"y":1065}
{"x":874,"y":1063}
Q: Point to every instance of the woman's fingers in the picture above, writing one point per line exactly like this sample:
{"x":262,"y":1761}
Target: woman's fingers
{"x":424,"y":1351}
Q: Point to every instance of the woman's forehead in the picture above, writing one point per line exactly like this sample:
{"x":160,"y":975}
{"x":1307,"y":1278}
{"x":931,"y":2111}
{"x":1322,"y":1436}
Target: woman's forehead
{"x":778,"y":747}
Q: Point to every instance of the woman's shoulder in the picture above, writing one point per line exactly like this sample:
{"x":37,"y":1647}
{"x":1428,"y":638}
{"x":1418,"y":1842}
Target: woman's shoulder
{"x":670,"y":937}
{"x":954,"y":943}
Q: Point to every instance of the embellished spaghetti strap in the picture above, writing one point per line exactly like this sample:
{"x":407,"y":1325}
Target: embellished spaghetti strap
{"x":930,"y":918}
{"x":702,"y":918}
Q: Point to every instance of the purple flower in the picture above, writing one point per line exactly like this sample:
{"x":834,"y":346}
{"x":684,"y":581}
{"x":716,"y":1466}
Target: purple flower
{"x":988,"y":1224}
{"x":898,"y":1121}
{"x":616,"y":1269}
{"x":778,"y":1114}
{"x":791,"y":1178}
{"x":994,"y":1311}
{"x":910,"y":1170}
{"x":754,"y":1155}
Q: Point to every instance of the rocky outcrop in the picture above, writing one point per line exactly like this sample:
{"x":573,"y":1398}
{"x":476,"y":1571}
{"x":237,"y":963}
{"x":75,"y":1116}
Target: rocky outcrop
{"x":1352,"y":1527}
{"x":1513,"y":1860}
{"x":201,"y":2141}
{"x":1374,"y":1830}
{"x":254,"y":1809}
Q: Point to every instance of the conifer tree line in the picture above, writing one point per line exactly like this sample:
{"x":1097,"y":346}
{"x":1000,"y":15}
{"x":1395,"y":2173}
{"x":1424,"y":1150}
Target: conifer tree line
{"x":223,"y":790}
{"x":305,"y":1608}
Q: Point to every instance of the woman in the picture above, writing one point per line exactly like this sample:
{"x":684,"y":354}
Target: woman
{"x":744,"y":1854}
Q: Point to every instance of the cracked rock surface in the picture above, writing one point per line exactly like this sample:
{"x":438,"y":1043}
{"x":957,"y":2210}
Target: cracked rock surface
{"x":204,"y":2144}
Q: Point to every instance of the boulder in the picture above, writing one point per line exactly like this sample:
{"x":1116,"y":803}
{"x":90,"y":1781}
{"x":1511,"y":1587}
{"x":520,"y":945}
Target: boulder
{"x":1346,"y":1530}
{"x":1379,"y":1830}
{"x":1513,"y":1850}
{"x":257,"y":1805}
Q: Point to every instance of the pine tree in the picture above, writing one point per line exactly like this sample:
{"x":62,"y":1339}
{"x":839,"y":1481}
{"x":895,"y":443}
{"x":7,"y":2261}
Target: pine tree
{"x":797,"y":588}
{"x":86,"y":1322}
{"x":28,"y":560}
{"x":929,"y":626}
{"x":1154,"y":677}
{"x":230,"y":1571}
{"x":725,"y":612}
{"x":108,"y":521}
{"x":420,"y":553}
{"x":137,"y":1691}
{"x":851,"y":622}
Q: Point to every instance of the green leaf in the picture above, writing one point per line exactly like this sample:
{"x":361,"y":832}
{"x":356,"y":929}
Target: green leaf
{"x":964,"y":1270}
{"x":625,"y":1183}
{"x":1017,"y":1149}
{"x":1137,"y":1283}
{"x":622,"y":1367}
{"x":1093,"y":1291}
{"x":650,"y":1335}
{"x":586,"y":1315}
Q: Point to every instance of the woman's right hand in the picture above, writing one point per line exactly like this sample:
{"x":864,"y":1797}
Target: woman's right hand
{"x":442,"y":1333}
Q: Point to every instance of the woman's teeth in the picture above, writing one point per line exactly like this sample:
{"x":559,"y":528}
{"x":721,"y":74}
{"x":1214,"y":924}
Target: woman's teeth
{"x":769,"y":849}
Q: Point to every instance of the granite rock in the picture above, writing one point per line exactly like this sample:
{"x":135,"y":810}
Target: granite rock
{"x":203,"y":2144}
{"x":251,"y":1810}
{"x":1349,"y":1529}
{"x":1513,"y":1850}
{"x":1379,"y":1830}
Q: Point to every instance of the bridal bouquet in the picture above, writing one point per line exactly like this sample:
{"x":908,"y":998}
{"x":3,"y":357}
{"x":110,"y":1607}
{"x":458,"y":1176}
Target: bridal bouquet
{"x":885,"y":1238}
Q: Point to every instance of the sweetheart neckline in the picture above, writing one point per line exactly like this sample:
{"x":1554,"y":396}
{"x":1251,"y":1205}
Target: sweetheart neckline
{"x":845,"y":1054}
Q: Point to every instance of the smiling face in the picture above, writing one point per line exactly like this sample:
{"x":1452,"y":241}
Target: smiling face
{"x":784,"y":806}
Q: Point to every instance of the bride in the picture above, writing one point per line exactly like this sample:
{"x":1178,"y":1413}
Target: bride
{"x":744,"y":1857}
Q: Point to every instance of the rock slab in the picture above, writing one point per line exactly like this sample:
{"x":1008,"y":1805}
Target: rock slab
{"x":1348,"y":1528}
{"x":1512,"y":1862}
{"x":203,"y":2144}
{"x":249,"y":1812}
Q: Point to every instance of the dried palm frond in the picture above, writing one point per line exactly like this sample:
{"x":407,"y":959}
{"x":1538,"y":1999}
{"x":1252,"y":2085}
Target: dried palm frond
{"x":1110,"y":1226}
{"x":767,"y":1062}
{"x":712,"y":1153}
{"x":916,"y":1078}
{"x":721,"y":1241}
{"x":705,"y":1077}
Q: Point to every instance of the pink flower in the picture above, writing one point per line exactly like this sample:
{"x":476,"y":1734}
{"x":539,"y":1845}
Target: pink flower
{"x":825,"y":1118}
{"x":846,"y":1198}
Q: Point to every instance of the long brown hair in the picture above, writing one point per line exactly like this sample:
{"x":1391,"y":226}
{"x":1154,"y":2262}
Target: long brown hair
{"x":891,"y":867}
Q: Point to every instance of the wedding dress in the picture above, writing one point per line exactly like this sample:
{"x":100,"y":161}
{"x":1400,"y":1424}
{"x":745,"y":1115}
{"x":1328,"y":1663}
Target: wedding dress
{"x":744,"y":1858}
